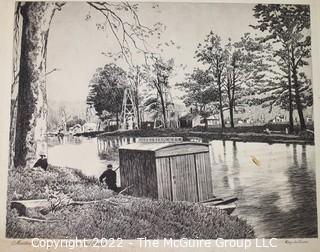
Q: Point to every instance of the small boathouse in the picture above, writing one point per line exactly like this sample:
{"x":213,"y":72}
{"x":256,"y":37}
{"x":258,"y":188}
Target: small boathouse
{"x":173,"y":170}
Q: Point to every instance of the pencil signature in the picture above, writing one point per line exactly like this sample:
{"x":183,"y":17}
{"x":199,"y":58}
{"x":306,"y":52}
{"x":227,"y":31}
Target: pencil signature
{"x":295,"y":241}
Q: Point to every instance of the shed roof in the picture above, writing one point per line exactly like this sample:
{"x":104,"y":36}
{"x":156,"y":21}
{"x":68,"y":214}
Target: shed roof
{"x":168,"y":149}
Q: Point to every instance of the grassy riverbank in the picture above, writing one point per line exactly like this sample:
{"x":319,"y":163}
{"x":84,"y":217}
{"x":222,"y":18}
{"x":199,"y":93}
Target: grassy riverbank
{"x":243,"y":134}
{"x":119,"y":216}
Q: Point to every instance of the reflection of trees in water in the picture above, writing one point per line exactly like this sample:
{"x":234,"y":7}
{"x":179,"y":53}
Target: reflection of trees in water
{"x":225,"y":168}
{"x":301,"y":220}
{"x":110,"y":153}
{"x":212,"y":154}
{"x":75,"y":140}
{"x":67,"y":139}
{"x":236,"y":172}
{"x":229,"y":172}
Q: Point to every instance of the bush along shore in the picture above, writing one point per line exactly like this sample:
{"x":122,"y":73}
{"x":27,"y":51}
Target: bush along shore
{"x":106,"y":214}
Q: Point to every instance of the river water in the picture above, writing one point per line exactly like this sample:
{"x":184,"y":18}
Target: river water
{"x":275,"y":183}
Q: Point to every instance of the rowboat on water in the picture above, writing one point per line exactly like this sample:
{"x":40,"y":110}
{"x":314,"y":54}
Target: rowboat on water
{"x":227,"y":204}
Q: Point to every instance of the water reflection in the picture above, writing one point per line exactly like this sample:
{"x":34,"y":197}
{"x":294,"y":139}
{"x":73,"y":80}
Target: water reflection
{"x":277,"y":192}
{"x":236,"y":166}
{"x":82,"y":153}
{"x":297,"y":217}
{"x":277,"y":197}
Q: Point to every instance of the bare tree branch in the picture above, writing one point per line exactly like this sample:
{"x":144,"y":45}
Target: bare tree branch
{"x":130,"y":33}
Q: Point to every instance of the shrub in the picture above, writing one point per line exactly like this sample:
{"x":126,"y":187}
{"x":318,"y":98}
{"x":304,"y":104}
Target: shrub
{"x":35,"y":184}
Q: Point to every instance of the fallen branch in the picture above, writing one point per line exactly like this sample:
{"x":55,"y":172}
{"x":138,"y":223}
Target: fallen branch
{"x":22,"y":206}
{"x":35,"y":219}
{"x":125,"y":189}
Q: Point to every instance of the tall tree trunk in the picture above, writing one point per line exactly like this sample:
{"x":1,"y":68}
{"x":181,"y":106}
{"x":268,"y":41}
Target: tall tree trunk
{"x":108,"y":125}
{"x":138,"y":116}
{"x":163,"y":107}
{"x":31,"y":126}
{"x":220,"y":101}
{"x":137,"y":82}
{"x":15,"y":84}
{"x":136,"y":104}
{"x":231,"y":114}
{"x":297,"y":98}
{"x":117,"y":120}
{"x":232,"y":105}
{"x":205,"y":123}
{"x":290,"y":97}
{"x":230,"y":102}
{"x":12,"y":134}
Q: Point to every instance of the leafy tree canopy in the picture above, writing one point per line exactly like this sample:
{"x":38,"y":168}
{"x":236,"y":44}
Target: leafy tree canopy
{"x":200,"y":91}
{"x":107,"y":89}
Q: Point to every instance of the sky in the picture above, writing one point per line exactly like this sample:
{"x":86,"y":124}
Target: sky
{"x":75,"y":45}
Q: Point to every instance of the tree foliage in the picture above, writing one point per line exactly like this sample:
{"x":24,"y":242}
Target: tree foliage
{"x":107,"y":89}
{"x":200,"y":93}
{"x":212,"y":53}
{"x":287,"y":26}
{"x":246,"y":66}
{"x":74,"y":121}
{"x":157,"y":76}
{"x":236,"y":68}
{"x":137,"y":81}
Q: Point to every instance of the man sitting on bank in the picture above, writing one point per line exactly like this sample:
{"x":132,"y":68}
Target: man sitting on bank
{"x":42,"y":161}
{"x":109,"y":177}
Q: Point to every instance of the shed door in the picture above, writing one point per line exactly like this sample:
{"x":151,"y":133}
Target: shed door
{"x":164,"y":178}
{"x":184,"y":178}
{"x":204,"y":176}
